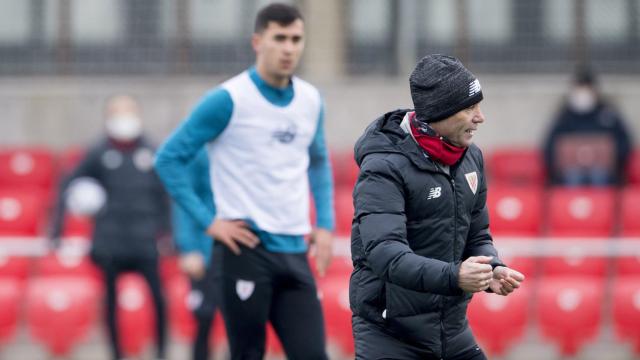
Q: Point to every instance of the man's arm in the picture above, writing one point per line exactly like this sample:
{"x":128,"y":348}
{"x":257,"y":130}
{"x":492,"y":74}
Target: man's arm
{"x":379,"y":206}
{"x":321,"y":181}
{"x":206,"y":122}
{"x":321,"y":178}
{"x":192,"y":242}
{"x":88,"y":166}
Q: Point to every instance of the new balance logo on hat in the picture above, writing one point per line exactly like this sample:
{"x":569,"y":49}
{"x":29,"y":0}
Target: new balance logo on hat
{"x":474,"y":87}
{"x":434,"y":193}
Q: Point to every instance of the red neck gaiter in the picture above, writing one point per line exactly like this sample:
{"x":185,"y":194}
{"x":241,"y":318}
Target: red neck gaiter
{"x":430,"y":142}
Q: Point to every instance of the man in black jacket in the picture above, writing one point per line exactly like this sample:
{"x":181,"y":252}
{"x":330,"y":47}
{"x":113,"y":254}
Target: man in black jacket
{"x":420,"y":238}
{"x":588,"y":143}
{"x":135,"y":214}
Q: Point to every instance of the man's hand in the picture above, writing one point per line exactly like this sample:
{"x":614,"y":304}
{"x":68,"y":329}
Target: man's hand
{"x":505,"y":280}
{"x":475,"y":274}
{"x":232,"y":233}
{"x":323,"y":247}
{"x":193,"y":265}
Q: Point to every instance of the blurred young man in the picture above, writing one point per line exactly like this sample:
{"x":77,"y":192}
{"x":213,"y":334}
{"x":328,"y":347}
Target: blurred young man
{"x":195,"y":248}
{"x":136,"y":212}
{"x":265,"y":140}
{"x":420,"y":241}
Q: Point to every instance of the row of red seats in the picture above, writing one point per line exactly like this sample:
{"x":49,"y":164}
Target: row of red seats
{"x":60,"y":311}
{"x":60,"y":306}
{"x":535,"y":211}
{"x":569,"y":312}
{"x":39,"y":166}
{"x":514,"y":165}
{"x":515,"y":209}
{"x":560,"y":211}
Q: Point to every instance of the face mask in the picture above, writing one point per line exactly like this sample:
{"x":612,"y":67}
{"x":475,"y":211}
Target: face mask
{"x":124,"y":127}
{"x":582,"y":100}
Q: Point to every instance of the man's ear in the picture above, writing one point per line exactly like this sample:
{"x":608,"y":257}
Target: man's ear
{"x":256,"y":38}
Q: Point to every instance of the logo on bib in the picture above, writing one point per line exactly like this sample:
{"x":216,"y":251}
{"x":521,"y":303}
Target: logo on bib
{"x":472,"y":180}
{"x":286,"y":135}
{"x":244,"y":289}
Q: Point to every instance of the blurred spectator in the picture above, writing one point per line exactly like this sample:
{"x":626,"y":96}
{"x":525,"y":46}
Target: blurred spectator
{"x":588,"y":143}
{"x":195,"y":248}
{"x":133,"y":216}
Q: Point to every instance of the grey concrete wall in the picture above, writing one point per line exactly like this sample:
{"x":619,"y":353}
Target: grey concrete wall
{"x":59,"y":112}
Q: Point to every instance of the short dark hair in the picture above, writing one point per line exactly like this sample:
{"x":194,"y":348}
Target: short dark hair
{"x":282,"y":14}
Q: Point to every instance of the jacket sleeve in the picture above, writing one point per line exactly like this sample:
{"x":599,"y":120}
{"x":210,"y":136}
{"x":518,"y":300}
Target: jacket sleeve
{"x":379,"y":201}
{"x":479,"y":240}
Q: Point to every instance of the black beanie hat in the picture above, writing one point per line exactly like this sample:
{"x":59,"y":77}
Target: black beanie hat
{"x":441,"y":86}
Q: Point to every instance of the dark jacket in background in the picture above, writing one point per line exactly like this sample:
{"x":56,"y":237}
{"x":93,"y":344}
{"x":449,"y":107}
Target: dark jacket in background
{"x":413,"y":226}
{"x":136,"y":210}
{"x":601,"y":120}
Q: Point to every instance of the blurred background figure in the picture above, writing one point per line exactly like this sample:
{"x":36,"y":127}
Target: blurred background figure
{"x":134,"y":213}
{"x":588,"y":143}
{"x":195,"y":248}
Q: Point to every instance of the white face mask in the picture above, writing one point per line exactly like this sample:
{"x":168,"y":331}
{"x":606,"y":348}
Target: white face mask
{"x":582,"y":100}
{"x":124,"y":127}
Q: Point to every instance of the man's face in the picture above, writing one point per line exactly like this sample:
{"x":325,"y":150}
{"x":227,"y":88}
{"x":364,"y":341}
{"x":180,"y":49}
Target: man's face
{"x":460,"y":127}
{"x":279,"y":48}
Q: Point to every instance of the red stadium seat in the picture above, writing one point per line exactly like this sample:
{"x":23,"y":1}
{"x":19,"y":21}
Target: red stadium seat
{"x":515,"y":210}
{"x":61,"y":311}
{"x":569,"y":310}
{"x":26,"y":167}
{"x":181,"y":317}
{"x":59,"y":264}
{"x":135,"y":316}
{"x":16,"y":267}
{"x":334,"y":291}
{"x":580,"y":214}
{"x":169,"y":268}
{"x":10,"y":306}
{"x":633,"y":168}
{"x":516,"y":166}
{"x":274,"y":347}
{"x":630,"y":208}
{"x":582,"y":211}
{"x":630,"y":227}
{"x":344,"y":211}
{"x":626,"y":309}
{"x":499,"y":321}
{"x":21,"y":212}
{"x":345,"y":169}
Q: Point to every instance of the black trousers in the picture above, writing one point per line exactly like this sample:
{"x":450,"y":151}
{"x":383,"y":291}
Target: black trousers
{"x":148,"y":268}
{"x":204,"y":293}
{"x":374,"y":343}
{"x":260,"y":286}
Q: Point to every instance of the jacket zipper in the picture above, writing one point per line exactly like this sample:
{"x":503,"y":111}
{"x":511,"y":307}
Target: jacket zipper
{"x":455,"y":234}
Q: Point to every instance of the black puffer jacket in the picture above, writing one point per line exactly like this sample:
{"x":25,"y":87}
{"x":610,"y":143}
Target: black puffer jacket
{"x":413,"y":226}
{"x":136,"y":212}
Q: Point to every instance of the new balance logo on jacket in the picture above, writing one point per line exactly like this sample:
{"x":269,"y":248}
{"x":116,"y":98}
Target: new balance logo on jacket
{"x":434,"y":193}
